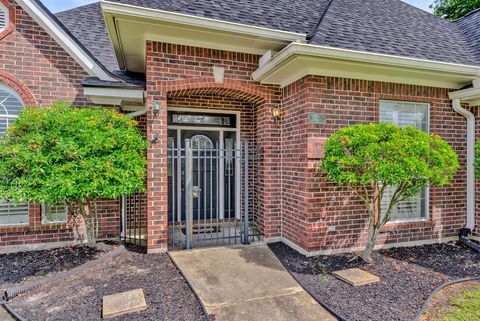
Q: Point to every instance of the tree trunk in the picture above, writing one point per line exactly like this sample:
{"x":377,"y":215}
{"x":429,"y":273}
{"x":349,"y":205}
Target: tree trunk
{"x":91,"y":219}
{"x":371,"y":241}
{"x":87,"y":213}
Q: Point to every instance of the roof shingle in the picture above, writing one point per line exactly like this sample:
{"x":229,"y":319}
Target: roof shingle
{"x":379,"y":26}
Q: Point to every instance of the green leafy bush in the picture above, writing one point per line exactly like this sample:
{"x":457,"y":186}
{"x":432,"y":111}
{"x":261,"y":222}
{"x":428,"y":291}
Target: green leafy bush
{"x":369,"y":158}
{"x":454,"y":9}
{"x":72,"y":155}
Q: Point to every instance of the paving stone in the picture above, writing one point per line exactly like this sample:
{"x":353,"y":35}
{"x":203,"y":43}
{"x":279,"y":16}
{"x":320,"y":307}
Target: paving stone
{"x":356,"y":277}
{"x":122,"y":303}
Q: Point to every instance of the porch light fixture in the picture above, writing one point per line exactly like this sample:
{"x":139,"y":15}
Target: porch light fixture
{"x":156,"y":108}
{"x":276,"y":114}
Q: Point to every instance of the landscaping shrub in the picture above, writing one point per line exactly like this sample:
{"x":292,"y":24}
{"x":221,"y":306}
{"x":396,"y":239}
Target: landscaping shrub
{"x":63,"y":154}
{"x":369,"y":158}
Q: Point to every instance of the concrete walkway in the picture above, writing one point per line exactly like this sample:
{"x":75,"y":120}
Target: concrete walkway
{"x":4,"y":315}
{"x":248,"y":284}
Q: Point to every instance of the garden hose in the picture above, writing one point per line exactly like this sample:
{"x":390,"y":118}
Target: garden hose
{"x":12,"y":292}
{"x":438,"y":289}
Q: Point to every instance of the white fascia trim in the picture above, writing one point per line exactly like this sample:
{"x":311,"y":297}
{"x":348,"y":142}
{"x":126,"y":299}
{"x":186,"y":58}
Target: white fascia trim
{"x":184,"y":19}
{"x":113,"y":95}
{"x":297,"y":49}
{"x":465,"y":94}
{"x":64,"y":40}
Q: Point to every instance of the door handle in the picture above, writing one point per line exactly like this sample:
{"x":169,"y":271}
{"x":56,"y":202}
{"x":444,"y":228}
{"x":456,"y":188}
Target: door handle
{"x":196,"y":191}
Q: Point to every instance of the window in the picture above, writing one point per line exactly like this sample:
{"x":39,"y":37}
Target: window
{"x":406,"y":114}
{"x":13,"y":215}
{"x":10,"y":107}
{"x":54,"y":214}
{"x":4,"y":17}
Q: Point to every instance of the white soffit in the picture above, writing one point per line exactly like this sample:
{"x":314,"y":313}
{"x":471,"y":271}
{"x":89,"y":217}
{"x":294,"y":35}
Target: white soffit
{"x":130,"y":27}
{"x":115,"y":96}
{"x":299,"y":60}
{"x":469,"y":95}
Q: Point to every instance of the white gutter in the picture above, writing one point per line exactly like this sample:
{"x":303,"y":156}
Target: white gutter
{"x":113,"y":96}
{"x":457,"y":106}
{"x":299,"y":49}
{"x":137,"y":113}
{"x":65,"y":40}
{"x":191,"y":20}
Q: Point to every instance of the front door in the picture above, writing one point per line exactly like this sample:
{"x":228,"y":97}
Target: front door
{"x":214,"y":175}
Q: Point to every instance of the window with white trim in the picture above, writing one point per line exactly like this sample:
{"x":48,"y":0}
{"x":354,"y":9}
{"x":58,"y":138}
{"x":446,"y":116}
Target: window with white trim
{"x":54,"y":214}
{"x":406,"y":114}
{"x":10,"y":107}
{"x":4,"y":17}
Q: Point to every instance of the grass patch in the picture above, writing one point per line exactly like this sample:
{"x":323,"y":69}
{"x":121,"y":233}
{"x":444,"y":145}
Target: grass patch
{"x":466,"y":306}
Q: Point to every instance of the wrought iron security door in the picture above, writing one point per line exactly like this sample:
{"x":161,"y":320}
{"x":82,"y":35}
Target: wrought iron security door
{"x":211,"y":195}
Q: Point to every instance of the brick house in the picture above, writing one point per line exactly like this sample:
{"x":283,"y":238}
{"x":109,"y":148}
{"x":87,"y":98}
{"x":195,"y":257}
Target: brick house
{"x":236,"y":99}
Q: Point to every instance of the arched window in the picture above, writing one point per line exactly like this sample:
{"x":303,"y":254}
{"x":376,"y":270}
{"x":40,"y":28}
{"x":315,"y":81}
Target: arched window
{"x":4,"y":17}
{"x":10,"y":107}
{"x":201,"y":142}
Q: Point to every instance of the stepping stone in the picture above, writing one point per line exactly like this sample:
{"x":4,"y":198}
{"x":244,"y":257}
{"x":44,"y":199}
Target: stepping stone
{"x":356,"y":277}
{"x":122,"y":303}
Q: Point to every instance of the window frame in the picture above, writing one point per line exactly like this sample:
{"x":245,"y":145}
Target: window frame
{"x":5,"y":9}
{"x":44,"y":217}
{"x":12,"y":92}
{"x":427,"y":189}
{"x":18,"y":224}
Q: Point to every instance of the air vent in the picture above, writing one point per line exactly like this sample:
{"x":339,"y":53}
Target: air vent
{"x":3,"y":17}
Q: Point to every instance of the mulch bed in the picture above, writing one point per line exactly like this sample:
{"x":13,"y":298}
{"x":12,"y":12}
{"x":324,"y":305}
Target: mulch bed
{"x":21,"y":266}
{"x":408,"y":276}
{"x":79,"y":297}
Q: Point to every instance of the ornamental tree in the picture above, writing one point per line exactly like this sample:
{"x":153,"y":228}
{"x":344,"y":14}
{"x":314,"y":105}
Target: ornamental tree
{"x":63,"y":154}
{"x":454,"y":9}
{"x":369,"y":158}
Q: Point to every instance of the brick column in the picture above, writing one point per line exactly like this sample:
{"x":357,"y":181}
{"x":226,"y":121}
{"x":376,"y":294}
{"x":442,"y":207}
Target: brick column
{"x":270,"y":197}
{"x":157,"y":180}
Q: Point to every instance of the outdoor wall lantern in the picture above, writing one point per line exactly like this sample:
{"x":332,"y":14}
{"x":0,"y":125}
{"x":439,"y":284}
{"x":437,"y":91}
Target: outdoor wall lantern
{"x":275,"y":114}
{"x":156,"y":108}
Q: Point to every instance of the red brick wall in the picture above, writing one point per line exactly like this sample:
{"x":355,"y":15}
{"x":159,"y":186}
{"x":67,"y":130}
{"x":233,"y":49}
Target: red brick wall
{"x":311,"y":205}
{"x":34,"y":65}
{"x":246,"y":109}
{"x":182,"y":71}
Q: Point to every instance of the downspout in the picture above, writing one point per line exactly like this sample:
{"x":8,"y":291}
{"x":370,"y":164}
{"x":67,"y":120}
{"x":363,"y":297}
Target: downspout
{"x":468,"y":228}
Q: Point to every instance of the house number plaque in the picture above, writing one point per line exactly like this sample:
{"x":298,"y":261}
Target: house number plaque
{"x":317,"y":118}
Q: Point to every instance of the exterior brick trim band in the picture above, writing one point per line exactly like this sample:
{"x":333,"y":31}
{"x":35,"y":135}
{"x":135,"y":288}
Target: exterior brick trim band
{"x":19,"y":86}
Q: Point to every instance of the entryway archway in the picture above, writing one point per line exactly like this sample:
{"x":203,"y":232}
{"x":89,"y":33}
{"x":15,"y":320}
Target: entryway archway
{"x":208,"y":179}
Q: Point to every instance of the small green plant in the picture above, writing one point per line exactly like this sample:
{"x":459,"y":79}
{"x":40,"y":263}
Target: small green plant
{"x":367,"y":159}
{"x":63,"y":154}
{"x":454,"y":9}
{"x":477,"y":159}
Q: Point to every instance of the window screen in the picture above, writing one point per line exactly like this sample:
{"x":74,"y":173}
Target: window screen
{"x":10,"y":107}
{"x":406,"y":114}
{"x":54,"y":214}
